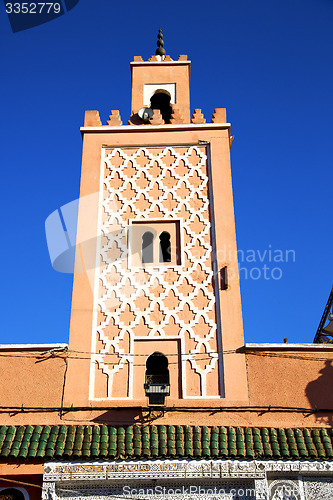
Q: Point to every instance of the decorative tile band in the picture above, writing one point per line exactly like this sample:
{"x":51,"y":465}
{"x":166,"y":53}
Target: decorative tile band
{"x":186,"y":469}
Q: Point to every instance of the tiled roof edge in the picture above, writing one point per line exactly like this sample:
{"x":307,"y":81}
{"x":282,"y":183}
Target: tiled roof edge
{"x":92,"y":442}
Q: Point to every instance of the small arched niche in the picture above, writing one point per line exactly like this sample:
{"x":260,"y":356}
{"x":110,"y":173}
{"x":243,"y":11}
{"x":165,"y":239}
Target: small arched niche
{"x":157,"y":379}
{"x":147,"y":248}
{"x":161,"y":100}
{"x":165,"y":247}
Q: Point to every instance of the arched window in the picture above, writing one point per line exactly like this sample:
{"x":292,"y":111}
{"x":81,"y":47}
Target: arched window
{"x":147,"y":250}
{"x":157,"y":365}
{"x":157,"y":381}
{"x":154,"y":243}
{"x":14,"y":494}
{"x":165,"y":247}
{"x":161,"y":100}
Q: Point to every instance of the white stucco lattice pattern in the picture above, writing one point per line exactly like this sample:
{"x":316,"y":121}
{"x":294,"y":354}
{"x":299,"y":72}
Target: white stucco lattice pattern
{"x":155,"y":184}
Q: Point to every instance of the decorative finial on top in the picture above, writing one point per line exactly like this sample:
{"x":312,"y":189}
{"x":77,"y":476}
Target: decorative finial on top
{"x":160,"y":44}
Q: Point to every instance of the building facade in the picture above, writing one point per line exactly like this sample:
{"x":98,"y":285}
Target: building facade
{"x":156,"y":395}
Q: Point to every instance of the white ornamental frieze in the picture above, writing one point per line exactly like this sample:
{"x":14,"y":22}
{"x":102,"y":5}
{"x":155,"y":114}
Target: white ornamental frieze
{"x":154,"y":184}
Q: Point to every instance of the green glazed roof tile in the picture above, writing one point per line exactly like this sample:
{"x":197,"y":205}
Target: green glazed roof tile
{"x":60,"y":443}
{"x":121,"y":441}
{"x":129,"y":441}
{"x":188,"y":441}
{"x":292,"y":444}
{"x":301,"y":444}
{"x":162,"y":440}
{"x":112,"y":442}
{"x":34,"y":441}
{"x":318,"y":444}
{"x":23,"y":452}
{"x":232,"y":442}
{"x":86,"y":443}
{"x":180,"y":441}
{"x":50,"y":445}
{"x":240,"y":442}
{"x":249,"y":443}
{"x":69,"y":444}
{"x":309,"y":444}
{"x":95,"y":440}
{"x":24,"y":443}
{"x":154,"y":440}
{"x":283,"y":443}
{"x":197,"y":441}
{"x":205,"y":442}
{"x":77,"y":451}
{"x":223,"y":440}
{"x":266,"y":442}
{"x":3,"y":432}
{"x":17,"y":441}
{"x":214,"y":441}
{"x":104,"y":441}
{"x":137,"y":445}
{"x":8,"y":441}
{"x":326,"y":443}
{"x":43,"y":441}
{"x":257,"y":444}
{"x":145,"y":441}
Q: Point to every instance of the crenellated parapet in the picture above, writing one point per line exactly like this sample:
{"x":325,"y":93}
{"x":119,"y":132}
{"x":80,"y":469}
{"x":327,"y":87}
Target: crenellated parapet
{"x":177,"y":117}
{"x":156,"y":118}
{"x":92,"y":119}
{"x":198,"y":117}
{"x":219,"y":115}
{"x":114,"y":119}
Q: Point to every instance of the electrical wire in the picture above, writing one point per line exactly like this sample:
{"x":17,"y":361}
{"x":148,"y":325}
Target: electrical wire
{"x":107,"y":357}
{"x":201,"y":356}
{"x":268,"y":408}
{"x":15,"y":481}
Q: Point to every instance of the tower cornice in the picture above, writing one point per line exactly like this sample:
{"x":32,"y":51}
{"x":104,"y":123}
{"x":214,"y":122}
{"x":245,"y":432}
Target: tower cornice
{"x":160,"y":63}
{"x":150,"y":128}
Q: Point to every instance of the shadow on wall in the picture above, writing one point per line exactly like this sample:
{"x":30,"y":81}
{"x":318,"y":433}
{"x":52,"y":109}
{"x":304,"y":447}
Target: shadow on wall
{"x":320,"y":395}
{"x":130,"y":416}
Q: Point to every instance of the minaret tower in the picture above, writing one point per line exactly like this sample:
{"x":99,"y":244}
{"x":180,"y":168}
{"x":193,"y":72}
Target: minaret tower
{"x":154,"y":320}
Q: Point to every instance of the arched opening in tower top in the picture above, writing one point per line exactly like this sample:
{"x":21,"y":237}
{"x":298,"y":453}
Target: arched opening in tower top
{"x":161,"y":100}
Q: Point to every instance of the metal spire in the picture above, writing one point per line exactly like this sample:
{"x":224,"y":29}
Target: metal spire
{"x":160,"y":44}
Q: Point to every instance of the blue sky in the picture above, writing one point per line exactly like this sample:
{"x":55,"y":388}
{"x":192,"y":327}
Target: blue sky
{"x":268,"y":62}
